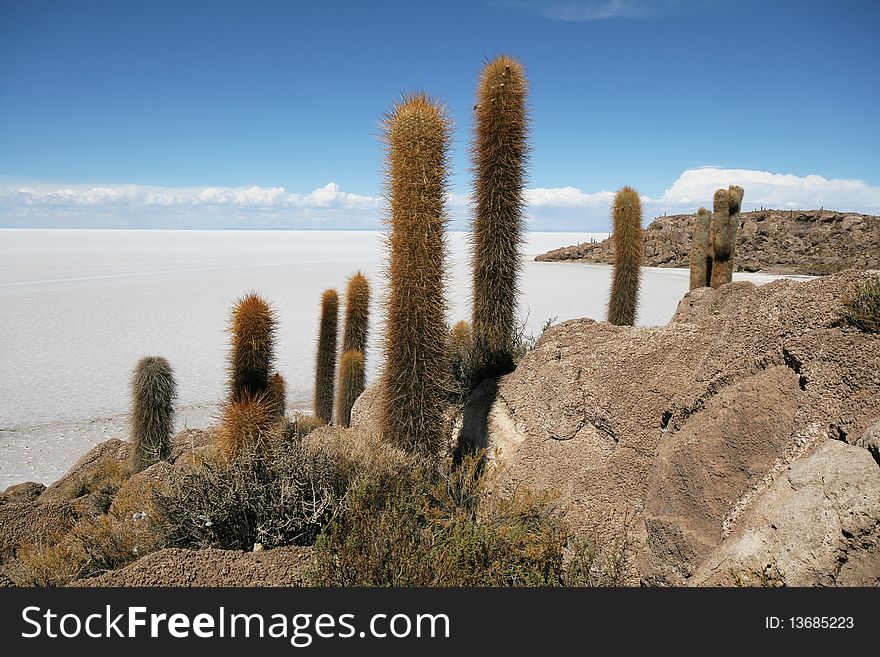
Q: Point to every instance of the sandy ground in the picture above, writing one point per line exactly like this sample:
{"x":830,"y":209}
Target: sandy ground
{"x":44,"y":452}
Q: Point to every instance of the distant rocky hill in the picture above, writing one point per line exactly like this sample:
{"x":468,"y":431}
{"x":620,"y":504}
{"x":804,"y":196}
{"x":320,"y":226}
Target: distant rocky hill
{"x":795,"y":242}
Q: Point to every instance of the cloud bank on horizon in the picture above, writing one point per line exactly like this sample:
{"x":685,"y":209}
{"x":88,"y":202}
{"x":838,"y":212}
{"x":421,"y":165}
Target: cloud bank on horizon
{"x":42,"y":205}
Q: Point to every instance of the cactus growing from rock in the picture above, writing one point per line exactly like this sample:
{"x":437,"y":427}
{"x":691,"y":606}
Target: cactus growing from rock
{"x":357,"y":314}
{"x":276,"y":394}
{"x":701,"y":255}
{"x":253,"y":347}
{"x":325,"y":369}
{"x":352,"y":378}
{"x":416,"y":379}
{"x":629,"y":249}
{"x":153,"y":391}
{"x":499,"y":153}
{"x":723,"y":227}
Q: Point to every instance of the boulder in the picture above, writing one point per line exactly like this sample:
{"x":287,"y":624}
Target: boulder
{"x":25,"y":492}
{"x":686,"y":427}
{"x":818,"y":524}
{"x":32,"y":522}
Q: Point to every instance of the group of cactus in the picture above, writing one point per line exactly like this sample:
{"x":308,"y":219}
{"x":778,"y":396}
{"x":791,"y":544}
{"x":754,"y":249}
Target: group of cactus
{"x":714,"y":239}
{"x":419,"y":349}
{"x":352,"y":361}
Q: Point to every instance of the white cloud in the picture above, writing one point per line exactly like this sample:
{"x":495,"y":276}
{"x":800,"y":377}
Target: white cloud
{"x":566,"y":197}
{"x":695,"y":187}
{"x":553,"y":208}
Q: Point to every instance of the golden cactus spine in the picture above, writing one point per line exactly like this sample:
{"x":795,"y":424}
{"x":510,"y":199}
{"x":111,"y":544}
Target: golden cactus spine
{"x":357,"y":314}
{"x":252,"y":353}
{"x":416,"y":378}
{"x":629,"y":249}
{"x":499,"y":152}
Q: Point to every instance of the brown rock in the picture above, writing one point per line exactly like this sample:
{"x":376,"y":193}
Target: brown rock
{"x":817,"y":525}
{"x":210,"y":567}
{"x":797,"y":242}
{"x":26,"y":492}
{"x":684,"y":426}
{"x":32,"y":522}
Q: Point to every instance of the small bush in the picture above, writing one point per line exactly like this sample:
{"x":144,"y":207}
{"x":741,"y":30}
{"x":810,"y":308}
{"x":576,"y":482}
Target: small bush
{"x":99,"y":482}
{"x":861,"y":305}
{"x":94,"y":545}
{"x":279,"y":495}
{"x":426,"y":527}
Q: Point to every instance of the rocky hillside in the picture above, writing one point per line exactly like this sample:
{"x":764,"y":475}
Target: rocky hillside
{"x":742,"y":435}
{"x":799,"y":242}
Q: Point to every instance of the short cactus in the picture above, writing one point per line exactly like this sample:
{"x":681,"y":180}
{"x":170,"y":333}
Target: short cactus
{"x":247,"y":426}
{"x":325,"y":370}
{"x":357,"y":314}
{"x":416,"y":379}
{"x":253,"y":347}
{"x":352,"y":379}
{"x":723,"y":227}
{"x":153,"y":391}
{"x":629,"y":249}
{"x":499,"y":154}
{"x":701,"y":256}
{"x":277,"y":394}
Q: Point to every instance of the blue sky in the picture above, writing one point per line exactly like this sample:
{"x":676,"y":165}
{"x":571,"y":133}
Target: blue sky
{"x":204,"y":114}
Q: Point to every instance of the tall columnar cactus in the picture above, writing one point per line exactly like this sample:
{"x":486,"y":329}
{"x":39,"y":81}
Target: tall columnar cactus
{"x":723,"y":227}
{"x":629,"y":249}
{"x":416,"y":379}
{"x":253,"y":347}
{"x":499,"y":152}
{"x":277,"y":394}
{"x":325,"y":370}
{"x":701,"y":254}
{"x":153,"y":391}
{"x":357,"y":314}
{"x":352,"y":378}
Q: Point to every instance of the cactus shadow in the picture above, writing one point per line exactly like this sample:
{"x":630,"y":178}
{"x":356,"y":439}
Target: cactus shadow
{"x":474,"y":432}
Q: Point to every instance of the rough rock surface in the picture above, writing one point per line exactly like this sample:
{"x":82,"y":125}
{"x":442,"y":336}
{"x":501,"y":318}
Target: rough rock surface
{"x":798,"y":242}
{"x":210,"y":567}
{"x":688,"y":428}
{"x":23,"y":522}
{"x":819,"y":523}
{"x":25,"y":492}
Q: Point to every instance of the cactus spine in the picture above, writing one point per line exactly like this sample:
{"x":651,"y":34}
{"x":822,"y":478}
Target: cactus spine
{"x":325,"y":370}
{"x":629,"y":249}
{"x":153,"y":391}
{"x":499,"y":152}
{"x":253,"y":347}
{"x":357,"y":314}
{"x":277,"y":395}
{"x":701,"y":257}
{"x":247,"y":425}
{"x":416,"y":378}
{"x":723,"y":226}
{"x":351,"y":384}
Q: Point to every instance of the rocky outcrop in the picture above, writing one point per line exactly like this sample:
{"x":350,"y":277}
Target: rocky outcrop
{"x":797,"y":242}
{"x":691,"y":430}
{"x":210,"y":567}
